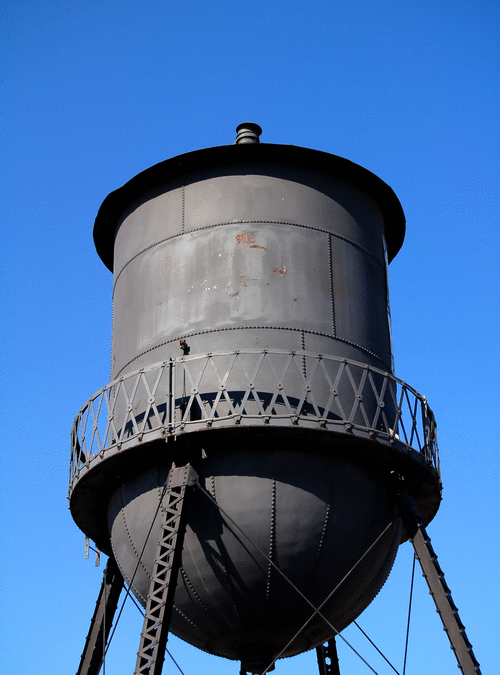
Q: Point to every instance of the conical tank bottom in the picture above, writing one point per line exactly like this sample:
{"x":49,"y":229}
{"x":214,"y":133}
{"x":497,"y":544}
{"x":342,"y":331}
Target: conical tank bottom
{"x":313,"y":517}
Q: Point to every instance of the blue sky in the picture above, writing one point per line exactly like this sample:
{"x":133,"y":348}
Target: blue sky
{"x":93,"y":93}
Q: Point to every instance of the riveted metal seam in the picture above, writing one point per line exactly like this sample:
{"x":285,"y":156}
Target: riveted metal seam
{"x":272,"y":533}
{"x":212,"y":490}
{"x":195,"y":595}
{"x":332,"y":288}
{"x":137,"y":593}
{"x":186,"y":618}
{"x":240,"y":222}
{"x":220,"y":330}
{"x":183,"y":222}
{"x":139,"y":558}
{"x":323,"y":531}
{"x":303,"y":347}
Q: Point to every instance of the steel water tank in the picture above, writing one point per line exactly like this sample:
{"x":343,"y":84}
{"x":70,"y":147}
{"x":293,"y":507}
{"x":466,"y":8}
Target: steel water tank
{"x":250,"y":246}
{"x":251,"y":337}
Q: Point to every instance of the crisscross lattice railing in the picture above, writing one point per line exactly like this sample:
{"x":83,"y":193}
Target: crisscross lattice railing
{"x":268,"y":387}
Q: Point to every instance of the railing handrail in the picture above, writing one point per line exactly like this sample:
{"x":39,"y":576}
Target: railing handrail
{"x":413,"y":420}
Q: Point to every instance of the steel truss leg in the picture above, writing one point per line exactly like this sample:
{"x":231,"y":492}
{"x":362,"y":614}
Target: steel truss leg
{"x":160,"y":600}
{"x":328,"y":661}
{"x":438,"y":587}
{"x":105,"y":608}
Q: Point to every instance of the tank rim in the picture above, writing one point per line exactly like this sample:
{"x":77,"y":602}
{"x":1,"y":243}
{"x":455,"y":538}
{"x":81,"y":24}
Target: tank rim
{"x":92,"y":488}
{"x":268,"y":154}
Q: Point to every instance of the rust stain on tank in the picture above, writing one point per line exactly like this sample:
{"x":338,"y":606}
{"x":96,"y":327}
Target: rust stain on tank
{"x":244,"y":279}
{"x":248,"y":238}
{"x":281,"y":270}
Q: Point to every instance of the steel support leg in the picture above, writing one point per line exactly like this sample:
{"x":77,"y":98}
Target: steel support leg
{"x":105,"y":608}
{"x":328,"y":661}
{"x":438,"y":587}
{"x":160,"y":600}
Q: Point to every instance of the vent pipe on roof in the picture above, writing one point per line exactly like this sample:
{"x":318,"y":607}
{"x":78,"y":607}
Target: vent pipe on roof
{"x":248,"y":132}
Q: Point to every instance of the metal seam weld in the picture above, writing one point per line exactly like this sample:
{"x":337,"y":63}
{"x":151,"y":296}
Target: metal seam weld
{"x":332,"y":290}
{"x":183,"y":224}
{"x":220,"y":330}
{"x":198,"y":599}
{"x":241,"y":222}
{"x":272,"y":533}
{"x":134,"y":548}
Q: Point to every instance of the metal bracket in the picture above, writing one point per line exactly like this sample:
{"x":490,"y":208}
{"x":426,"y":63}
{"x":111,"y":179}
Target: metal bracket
{"x":328,"y":660}
{"x":434,"y":576}
{"x":97,"y":638}
{"x":161,"y":594}
{"x":96,"y":551}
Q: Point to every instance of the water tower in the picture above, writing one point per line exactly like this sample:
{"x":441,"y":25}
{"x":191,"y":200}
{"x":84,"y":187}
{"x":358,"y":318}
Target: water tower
{"x":254,"y":463}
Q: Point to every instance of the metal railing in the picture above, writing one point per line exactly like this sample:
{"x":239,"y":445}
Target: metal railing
{"x":254,"y":387}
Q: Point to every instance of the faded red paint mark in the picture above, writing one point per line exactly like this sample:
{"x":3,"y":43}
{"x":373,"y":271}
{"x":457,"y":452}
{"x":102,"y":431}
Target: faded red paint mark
{"x":244,"y":238}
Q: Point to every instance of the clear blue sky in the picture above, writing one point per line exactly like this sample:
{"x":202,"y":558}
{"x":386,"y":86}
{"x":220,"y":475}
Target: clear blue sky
{"x":93,"y":93}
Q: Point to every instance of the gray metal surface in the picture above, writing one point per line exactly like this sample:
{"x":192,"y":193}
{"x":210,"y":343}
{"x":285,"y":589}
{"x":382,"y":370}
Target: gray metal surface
{"x":293,"y":261}
{"x":298,"y":508}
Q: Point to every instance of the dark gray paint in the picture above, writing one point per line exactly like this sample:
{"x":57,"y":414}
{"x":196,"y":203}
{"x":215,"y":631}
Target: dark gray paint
{"x":300,"y":509}
{"x":250,"y":253}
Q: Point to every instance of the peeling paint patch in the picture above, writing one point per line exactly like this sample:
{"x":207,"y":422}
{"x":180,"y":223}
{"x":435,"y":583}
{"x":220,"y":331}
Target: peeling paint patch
{"x":281,"y":270}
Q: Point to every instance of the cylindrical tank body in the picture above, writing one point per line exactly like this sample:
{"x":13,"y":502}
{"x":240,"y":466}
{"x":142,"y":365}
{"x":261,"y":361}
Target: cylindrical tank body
{"x":252,"y":253}
{"x":255,"y":247}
